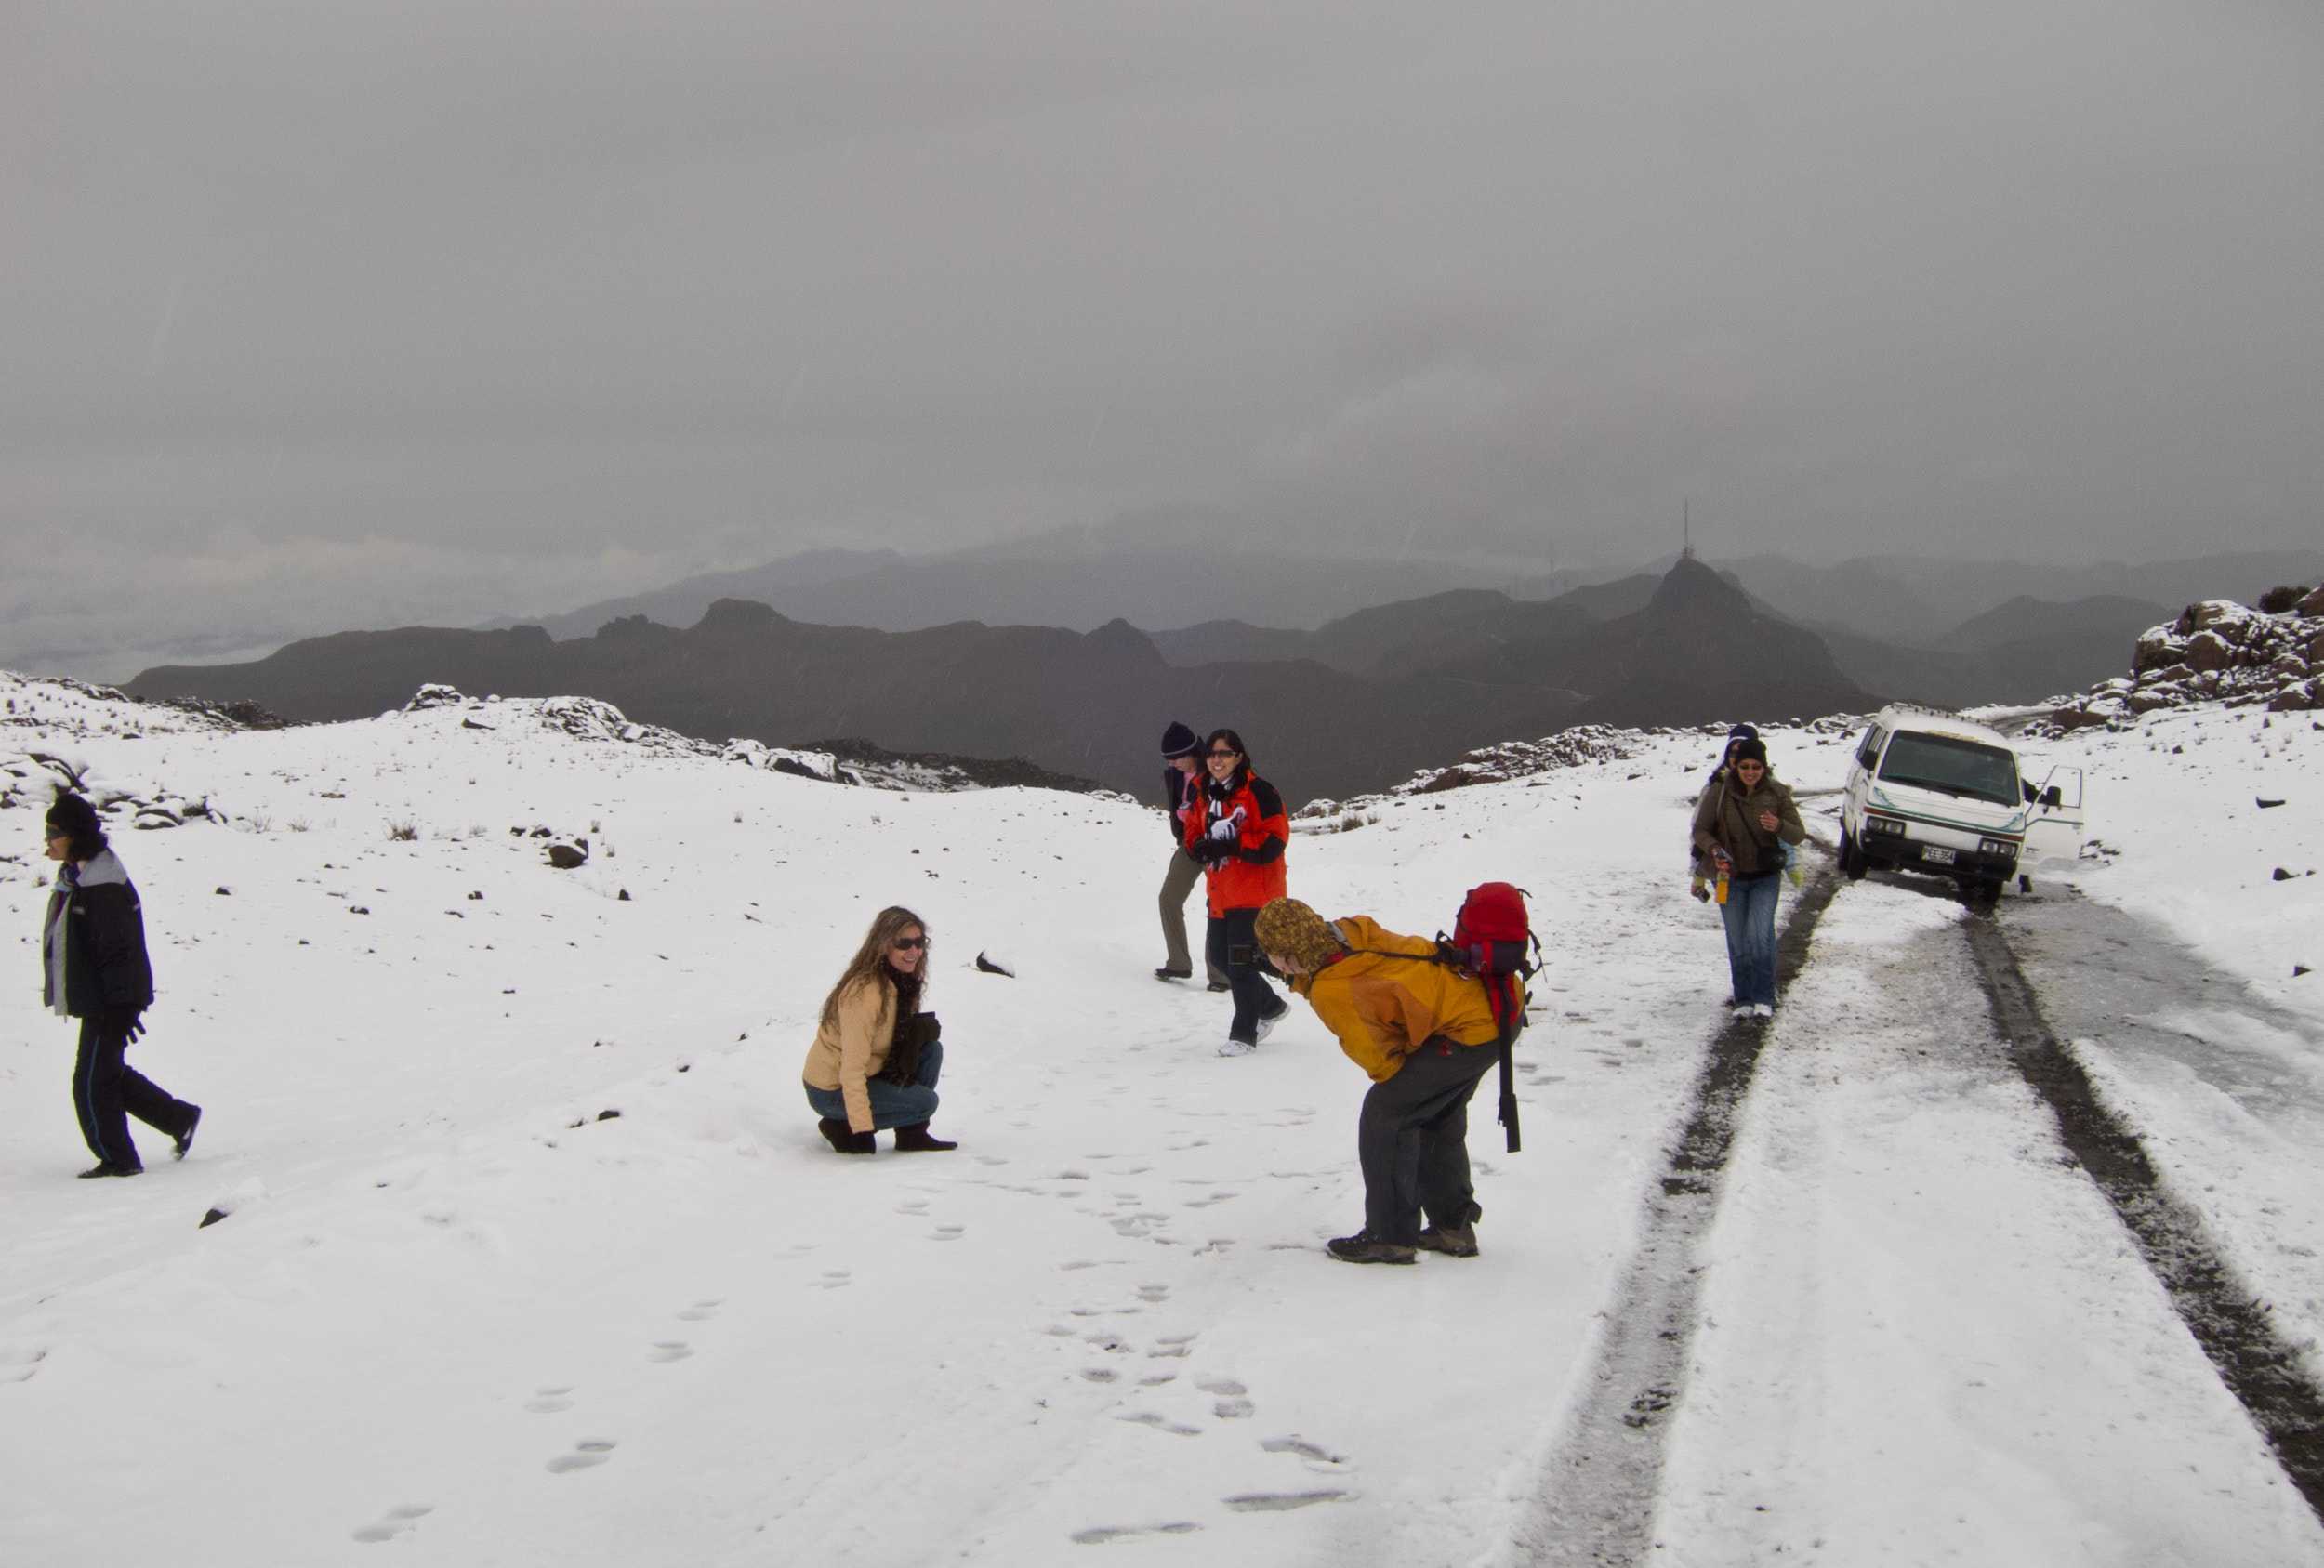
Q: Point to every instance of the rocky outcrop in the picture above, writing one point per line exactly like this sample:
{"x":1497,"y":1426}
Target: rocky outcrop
{"x":2218,"y":650}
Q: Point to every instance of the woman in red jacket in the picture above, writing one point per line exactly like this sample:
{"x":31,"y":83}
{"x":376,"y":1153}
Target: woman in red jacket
{"x":1239,"y":835}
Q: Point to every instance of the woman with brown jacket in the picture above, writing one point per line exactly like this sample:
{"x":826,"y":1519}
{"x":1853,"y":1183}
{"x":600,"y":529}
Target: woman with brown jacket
{"x":875,"y":1057}
{"x":1425,"y":1033}
{"x":1741,"y":825}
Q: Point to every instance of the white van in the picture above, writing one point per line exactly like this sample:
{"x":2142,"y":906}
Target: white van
{"x":1937,"y":793}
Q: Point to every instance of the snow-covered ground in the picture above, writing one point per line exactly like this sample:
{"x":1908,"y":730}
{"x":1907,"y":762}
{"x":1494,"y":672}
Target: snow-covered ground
{"x":459,"y":1312}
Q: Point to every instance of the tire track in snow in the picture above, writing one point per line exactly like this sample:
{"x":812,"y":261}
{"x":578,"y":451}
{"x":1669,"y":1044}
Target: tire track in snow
{"x":1595,"y":1502}
{"x":2233,"y":1327}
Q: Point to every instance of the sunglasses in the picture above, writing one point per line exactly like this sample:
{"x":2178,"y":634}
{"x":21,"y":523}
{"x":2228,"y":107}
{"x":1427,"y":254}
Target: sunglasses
{"x":909,"y":943}
{"x":1226,"y":754}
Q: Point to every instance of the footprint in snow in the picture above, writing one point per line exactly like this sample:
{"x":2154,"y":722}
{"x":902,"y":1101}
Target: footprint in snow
{"x":17,"y":1366}
{"x":990,"y":1160}
{"x":1154,"y":1293}
{"x":550,"y":1399}
{"x":1160,"y":1422}
{"x":1097,"y":1535}
{"x":1312,"y":1453}
{"x":701,"y":1312}
{"x":589,"y":1452}
{"x":395,"y":1522}
{"x":913,"y":1206}
{"x":670,"y":1350}
{"x":1277,"y":1502}
{"x":1100,"y":1374}
{"x":947,"y":1233}
{"x":833,"y":1278}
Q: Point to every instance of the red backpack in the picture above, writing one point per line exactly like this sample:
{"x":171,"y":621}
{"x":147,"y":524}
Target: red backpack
{"x":1493,"y":939}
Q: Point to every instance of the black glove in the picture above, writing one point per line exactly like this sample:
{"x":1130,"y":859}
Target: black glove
{"x":1212,"y":851}
{"x":926,"y":1030}
{"x":127,"y":1022}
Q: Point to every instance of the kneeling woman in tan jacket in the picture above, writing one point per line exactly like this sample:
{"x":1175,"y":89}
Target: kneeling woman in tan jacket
{"x":876,"y":1056}
{"x":1424,"y":1034}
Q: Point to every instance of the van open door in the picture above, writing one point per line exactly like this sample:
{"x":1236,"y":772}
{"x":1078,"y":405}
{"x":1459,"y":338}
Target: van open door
{"x":2056,"y":824}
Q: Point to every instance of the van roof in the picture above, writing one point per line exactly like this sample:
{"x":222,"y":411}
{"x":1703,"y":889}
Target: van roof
{"x":1936,"y":722}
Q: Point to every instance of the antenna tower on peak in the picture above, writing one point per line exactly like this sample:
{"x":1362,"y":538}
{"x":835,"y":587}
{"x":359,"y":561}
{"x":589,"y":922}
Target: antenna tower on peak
{"x":1686,"y":540}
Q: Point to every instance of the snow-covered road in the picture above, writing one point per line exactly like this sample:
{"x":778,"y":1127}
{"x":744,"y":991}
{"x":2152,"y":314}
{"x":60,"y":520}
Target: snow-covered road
{"x":455,"y":1315}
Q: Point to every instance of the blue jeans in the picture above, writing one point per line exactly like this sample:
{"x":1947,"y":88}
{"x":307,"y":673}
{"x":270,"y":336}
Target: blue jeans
{"x":1750,"y":916}
{"x":893,"y":1105}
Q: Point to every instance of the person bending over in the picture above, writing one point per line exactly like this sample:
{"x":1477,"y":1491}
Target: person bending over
{"x":1425,"y":1033}
{"x":877,"y":1054}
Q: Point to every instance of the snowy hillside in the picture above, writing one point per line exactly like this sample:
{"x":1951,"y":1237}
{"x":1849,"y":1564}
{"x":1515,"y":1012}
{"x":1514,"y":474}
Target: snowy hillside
{"x":532,"y":1254}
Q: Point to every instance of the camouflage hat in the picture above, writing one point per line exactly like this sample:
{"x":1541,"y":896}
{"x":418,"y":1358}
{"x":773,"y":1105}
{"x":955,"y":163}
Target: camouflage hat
{"x":1288,"y":926}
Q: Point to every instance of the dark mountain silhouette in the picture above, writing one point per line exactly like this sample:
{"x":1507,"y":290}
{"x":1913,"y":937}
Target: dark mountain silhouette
{"x":2108,"y":618}
{"x":1077,"y":579}
{"x":1699,"y":650}
{"x":682,"y":603}
{"x":1687,"y":647}
{"x":1087,"y":704}
{"x":1918,"y":601}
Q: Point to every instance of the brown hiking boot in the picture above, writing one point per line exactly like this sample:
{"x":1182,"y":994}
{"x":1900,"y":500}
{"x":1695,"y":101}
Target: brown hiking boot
{"x":1453,"y":1241}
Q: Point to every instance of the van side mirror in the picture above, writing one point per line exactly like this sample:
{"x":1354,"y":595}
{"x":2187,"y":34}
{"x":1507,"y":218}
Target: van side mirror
{"x":2052,"y":797}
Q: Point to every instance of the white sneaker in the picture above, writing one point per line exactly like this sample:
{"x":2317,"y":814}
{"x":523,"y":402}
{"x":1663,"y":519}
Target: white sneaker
{"x":1745,"y":1010}
{"x":1267,"y":1025}
{"x":1238,"y":1048}
{"x":1763,"y":1009}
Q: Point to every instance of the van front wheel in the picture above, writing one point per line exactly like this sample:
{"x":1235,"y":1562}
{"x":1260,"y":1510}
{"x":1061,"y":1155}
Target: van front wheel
{"x":1851,"y":865}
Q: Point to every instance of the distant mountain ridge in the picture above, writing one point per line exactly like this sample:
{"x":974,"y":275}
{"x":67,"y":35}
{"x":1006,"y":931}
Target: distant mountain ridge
{"x":1092,"y":703}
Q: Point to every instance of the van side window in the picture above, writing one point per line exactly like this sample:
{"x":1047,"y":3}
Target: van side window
{"x":1870,"y":751}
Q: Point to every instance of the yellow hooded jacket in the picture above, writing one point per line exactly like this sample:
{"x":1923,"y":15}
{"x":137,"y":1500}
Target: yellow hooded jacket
{"x":1382,"y":1007}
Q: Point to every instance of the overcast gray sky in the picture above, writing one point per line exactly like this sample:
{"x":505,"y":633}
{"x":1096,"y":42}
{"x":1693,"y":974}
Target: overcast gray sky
{"x":362,"y":313}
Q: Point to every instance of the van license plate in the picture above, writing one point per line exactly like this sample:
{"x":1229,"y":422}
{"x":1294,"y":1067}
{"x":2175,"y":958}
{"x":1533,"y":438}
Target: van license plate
{"x":1936,"y":855}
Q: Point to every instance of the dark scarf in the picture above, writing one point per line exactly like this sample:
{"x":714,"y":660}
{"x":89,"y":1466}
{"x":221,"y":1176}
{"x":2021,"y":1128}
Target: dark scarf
{"x":903,"y":1065}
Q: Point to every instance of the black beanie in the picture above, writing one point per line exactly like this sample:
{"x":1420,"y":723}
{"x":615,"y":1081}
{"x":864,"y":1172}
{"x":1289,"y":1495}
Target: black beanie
{"x":72,"y":814}
{"x":1744,"y":732}
{"x":1751,"y":751}
{"x":1179,"y":741}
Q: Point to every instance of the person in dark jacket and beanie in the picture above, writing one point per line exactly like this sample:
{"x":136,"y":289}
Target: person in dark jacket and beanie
{"x":1239,"y":833}
{"x":1741,"y":825}
{"x":1181,"y":789}
{"x":1424,"y":1033}
{"x":94,"y":968}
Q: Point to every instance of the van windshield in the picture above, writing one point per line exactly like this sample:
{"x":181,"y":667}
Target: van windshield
{"x":1981,"y":773}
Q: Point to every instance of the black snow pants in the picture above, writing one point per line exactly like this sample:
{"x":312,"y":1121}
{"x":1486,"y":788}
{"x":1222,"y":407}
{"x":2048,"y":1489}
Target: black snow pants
{"x":107,"y":1091}
{"x":1413,"y":1141}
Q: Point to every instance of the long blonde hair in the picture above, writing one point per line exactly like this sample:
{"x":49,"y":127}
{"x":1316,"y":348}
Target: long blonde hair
{"x":870,"y":962}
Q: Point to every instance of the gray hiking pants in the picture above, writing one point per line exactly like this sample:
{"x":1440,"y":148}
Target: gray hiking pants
{"x":1184,"y":877}
{"x":1413,"y":1141}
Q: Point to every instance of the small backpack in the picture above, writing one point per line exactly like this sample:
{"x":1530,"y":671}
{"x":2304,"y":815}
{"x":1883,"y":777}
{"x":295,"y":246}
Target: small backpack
{"x":1493,"y":939}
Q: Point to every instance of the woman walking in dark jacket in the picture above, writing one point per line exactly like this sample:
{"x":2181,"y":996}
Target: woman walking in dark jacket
{"x":94,"y":968}
{"x":1239,"y":832}
{"x":1741,"y":825}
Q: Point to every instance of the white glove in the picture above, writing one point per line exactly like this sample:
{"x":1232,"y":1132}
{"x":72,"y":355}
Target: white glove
{"x":1228,"y":828}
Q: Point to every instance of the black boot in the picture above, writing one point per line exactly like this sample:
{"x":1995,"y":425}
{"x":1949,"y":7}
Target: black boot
{"x":184,"y":1141}
{"x":1362,"y":1249}
{"x":835,"y":1134}
{"x":917,"y":1138}
{"x":108,"y":1168}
